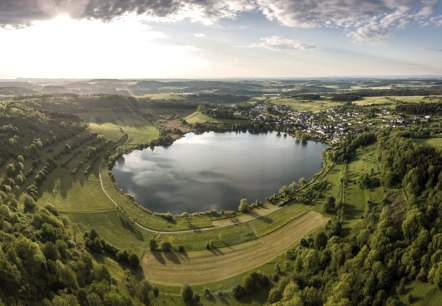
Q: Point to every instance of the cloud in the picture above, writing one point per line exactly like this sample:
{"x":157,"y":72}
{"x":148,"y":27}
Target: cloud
{"x":436,"y":20}
{"x":368,"y":20}
{"x":281,"y":43}
{"x":199,"y":35}
{"x":439,"y":50}
{"x":23,"y":12}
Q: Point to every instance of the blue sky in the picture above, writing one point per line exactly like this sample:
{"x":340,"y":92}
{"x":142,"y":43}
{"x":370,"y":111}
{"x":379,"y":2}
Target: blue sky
{"x":216,"y":39}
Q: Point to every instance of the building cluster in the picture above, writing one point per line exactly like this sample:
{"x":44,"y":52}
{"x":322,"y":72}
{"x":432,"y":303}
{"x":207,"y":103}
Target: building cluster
{"x":328,"y":125}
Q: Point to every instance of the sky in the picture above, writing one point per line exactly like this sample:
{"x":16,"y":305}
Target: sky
{"x":219,"y":38}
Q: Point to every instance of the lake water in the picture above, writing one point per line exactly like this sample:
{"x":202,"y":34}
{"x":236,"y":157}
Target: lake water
{"x":215,"y":170}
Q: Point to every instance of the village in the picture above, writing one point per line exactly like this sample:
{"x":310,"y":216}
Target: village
{"x":328,"y":125}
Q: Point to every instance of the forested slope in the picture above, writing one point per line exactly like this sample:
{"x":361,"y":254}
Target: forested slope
{"x":399,"y":243}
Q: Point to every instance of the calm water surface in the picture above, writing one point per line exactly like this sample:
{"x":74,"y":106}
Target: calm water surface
{"x":215,"y":170}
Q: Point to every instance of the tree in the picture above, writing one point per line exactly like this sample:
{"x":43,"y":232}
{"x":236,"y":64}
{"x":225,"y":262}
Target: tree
{"x":10,"y":170}
{"x":29,"y":204}
{"x":302,"y":181}
{"x":329,"y":205}
{"x":238,"y":291}
{"x":134,"y":261}
{"x":187,"y":294}
{"x":293,"y":187}
{"x":19,"y":166}
{"x":412,"y":223}
{"x":165,"y":246}
{"x":153,"y":244}
{"x":320,"y":240}
{"x":283,"y":190}
{"x":19,"y":180}
{"x":243,"y":205}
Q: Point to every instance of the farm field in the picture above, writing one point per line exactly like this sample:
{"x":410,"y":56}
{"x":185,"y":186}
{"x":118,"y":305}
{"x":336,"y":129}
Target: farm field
{"x":435,"y":142}
{"x":198,"y":117}
{"x":302,"y":106}
{"x":390,"y":101}
{"x":212,"y":265}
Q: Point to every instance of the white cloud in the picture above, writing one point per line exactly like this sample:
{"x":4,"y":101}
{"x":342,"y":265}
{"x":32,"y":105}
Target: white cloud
{"x":437,"y":20}
{"x":199,"y":35}
{"x":371,"y":20}
{"x":281,"y":43}
{"x":368,"y":20}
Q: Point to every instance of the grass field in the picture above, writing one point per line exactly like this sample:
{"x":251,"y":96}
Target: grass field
{"x":435,"y":142}
{"x":423,"y":294}
{"x":374,"y":101}
{"x":114,"y":124}
{"x":198,"y":117}
{"x":213,"y":265}
{"x":109,"y":130}
{"x":345,"y":187}
{"x":114,"y":227}
{"x":391,"y":101}
{"x":141,"y":134}
{"x":300,"y":106}
{"x":355,"y":196}
{"x":236,"y":233}
{"x":277,"y":219}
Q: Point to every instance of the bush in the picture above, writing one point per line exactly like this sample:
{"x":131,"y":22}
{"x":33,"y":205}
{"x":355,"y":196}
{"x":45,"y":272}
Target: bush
{"x":29,"y":204}
{"x":166,"y":246}
{"x":187,"y":294}
{"x":153,"y":244}
{"x":207,"y":293}
{"x":243,"y":205}
{"x":255,"y":280}
{"x":134,"y":261}
{"x":238,"y":291}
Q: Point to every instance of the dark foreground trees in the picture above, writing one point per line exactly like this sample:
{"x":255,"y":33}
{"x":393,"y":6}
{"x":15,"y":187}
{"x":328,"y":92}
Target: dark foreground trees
{"x":41,"y":263}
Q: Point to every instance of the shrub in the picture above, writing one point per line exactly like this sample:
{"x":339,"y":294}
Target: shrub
{"x":153,"y":244}
{"x":187,"y":294}
{"x":134,"y":261}
{"x":29,"y":204}
{"x":166,"y":246}
{"x":238,"y":291}
{"x":243,"y":205}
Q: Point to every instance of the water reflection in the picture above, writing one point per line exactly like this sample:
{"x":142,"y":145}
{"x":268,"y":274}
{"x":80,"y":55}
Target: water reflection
{"x":214,"y":170}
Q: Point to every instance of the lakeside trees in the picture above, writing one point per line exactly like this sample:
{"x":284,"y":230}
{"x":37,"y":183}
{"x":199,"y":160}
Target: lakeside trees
{"x":398,"y":242}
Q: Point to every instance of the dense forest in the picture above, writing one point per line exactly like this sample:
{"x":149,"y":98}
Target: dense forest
{"x":420,"y":108}
{"x":42,"y":262}
{"x":397,"y":244}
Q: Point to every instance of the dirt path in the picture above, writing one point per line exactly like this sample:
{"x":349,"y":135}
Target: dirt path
{"x":206,"y":266}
